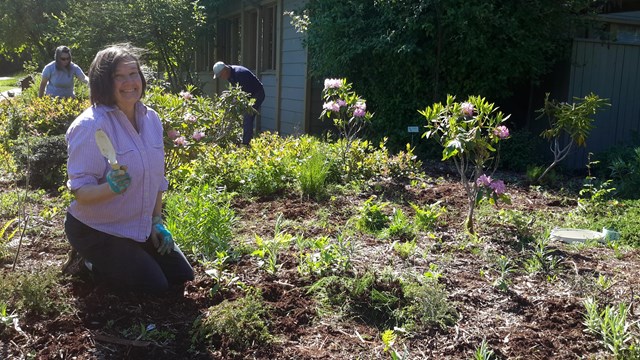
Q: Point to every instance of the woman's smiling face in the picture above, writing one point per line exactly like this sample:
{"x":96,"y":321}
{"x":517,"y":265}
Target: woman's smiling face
{"x":127,"y":84}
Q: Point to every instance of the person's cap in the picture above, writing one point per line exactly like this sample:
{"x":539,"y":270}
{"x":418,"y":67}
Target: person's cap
{"x":217,"y":69}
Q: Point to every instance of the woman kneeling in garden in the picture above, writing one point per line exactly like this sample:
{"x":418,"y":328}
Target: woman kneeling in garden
{"x":115,"y":222}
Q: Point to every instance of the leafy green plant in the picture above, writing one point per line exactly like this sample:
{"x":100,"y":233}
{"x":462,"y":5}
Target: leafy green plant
{"x":6,"y":235}
{"x":389,"y":338}
{"x":347,"y":110}
{"x":399,"y":227}
{"x":241,"y":323}
{"x":626,"y":174}
{"x":326,"y":256}
{"x":505,"y":267}
{"x":427,"y":304}
{"x":470,"y":133}
{"x":404,"y":249}
{"x":217,"y":270}
{"x":268,"y":250}
{"x":201,"y":219}
{"x":542,"y":259}
{"x":484,"y":352}
{"x":35,"y":292}
{"x":191,"y":122}
{"x":612,"y":327}
{"x":574,"y":120}
{"x":42,"y":160}
{"x":371,"y":217}
{"x":426,"y":217}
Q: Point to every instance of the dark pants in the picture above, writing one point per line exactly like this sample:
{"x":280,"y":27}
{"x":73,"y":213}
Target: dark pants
{"x":126,"y":263}
{"x":247,"y":124}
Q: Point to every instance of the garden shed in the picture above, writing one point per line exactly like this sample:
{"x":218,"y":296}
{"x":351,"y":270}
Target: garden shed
{"x":606,"y":61}
{"x":258,"y":35}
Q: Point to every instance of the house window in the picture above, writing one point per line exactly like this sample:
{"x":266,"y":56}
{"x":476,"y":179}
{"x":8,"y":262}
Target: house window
{"x":250,"y":43}
{"x":229,"y":31}
{"x":205,"y":51}
{"x":268,"y":51}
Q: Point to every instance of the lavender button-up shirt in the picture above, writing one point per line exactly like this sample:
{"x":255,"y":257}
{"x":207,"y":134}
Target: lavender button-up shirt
{"x":127,"y":215}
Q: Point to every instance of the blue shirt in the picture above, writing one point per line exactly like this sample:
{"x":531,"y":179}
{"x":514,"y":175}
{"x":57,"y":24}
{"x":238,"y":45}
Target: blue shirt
{"x":60,"y":81}
{"x":247,"y":80}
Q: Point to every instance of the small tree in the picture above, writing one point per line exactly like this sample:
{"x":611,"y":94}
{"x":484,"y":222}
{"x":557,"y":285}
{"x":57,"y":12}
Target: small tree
{"x":470,"y":133}
{"x":347,"y":110}
{"x":574,"y":120}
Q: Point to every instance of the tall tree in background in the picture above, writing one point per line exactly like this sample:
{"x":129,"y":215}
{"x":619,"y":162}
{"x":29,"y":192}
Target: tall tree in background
{"x":28,"y":28}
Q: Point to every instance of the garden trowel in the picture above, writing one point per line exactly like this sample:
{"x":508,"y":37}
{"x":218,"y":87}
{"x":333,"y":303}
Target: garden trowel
{"x":106,"y":148}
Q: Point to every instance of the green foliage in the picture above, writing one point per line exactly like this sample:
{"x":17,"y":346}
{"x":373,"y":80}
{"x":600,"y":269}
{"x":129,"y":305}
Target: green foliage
{"x":612,"y":327}
{"x":573,"y":120}
{"x":521,"y":151}
{"x":542,"y":259}
{"x":38,"y":293}
{"x":484,"y":352}
{"x":201,"y":220}
{"x":424,"y":49}
{"x":470,"y":133}
{"x":426,"y":217}
{"x":427,"y":305}
{"x":326,"y":256}
{"x":239,"y":323}
{"x":268,"y":250}
{"x":372,"y":217}
{"x":625,"y":172}
{"x":375,"y":298}
{"x":346,"y":109}
{"x":404,"y":249}
{"x":192,"y":122}
{"x":313,"y":172}
{"x":7,"y":232}
{"x":42,"y":160}
{"x":399,"y":226}
{"x":168,"y":29}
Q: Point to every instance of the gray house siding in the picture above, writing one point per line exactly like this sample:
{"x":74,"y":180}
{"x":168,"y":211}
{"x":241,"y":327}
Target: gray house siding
{"x":609,"y":70}
{"x":293,"y":76}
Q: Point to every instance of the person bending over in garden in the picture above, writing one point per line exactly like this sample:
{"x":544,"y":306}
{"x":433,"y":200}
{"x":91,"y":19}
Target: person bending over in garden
{"x":58,"y":75}
{"x":236,"y":74}
{"x":114,"y":224}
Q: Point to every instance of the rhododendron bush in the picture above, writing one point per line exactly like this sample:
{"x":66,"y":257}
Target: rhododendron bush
{"x":470,"y":133}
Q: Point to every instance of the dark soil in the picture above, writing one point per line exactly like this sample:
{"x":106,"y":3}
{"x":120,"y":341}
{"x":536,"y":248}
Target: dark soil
{"x":535,"y":318}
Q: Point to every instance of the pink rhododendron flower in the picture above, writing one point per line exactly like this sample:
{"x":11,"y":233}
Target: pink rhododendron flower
{"x":467,"y":109}
{"x":361,"y":105}
{"x":484,"y":180}
{"x":342,"y":103}
{"x":331,"y":106}
{"x":501,"y":131}
{"x":180,"y":141}
{"x":186,"y":95}
{"x":173,"y":134}
{"x":498,"y":186}
{"x":332,"y":83}
{"x":190,"y":117}
{"x":197,"y":135}
{"x":359,"y":112}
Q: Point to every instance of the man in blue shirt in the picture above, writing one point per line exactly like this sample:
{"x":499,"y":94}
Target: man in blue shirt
{"x":236,"y":74}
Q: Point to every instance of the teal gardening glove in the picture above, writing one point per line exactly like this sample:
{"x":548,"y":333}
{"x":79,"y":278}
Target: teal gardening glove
{"x":119,"y":180}
{"x":161,"y":237}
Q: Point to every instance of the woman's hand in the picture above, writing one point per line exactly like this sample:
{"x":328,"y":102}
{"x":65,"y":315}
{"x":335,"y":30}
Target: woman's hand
{"x":161,"y":237}
{"x":119,"y":180}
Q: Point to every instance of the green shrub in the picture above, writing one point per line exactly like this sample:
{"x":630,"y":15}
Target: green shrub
{"x":239,"y":323}
{"x":313,"y":172}
{"x":42,"y":160}
{"x":201,"y":219}
{"x":35,"y":292}
{"x":522,"y":151}
{"x":371,"y":217}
